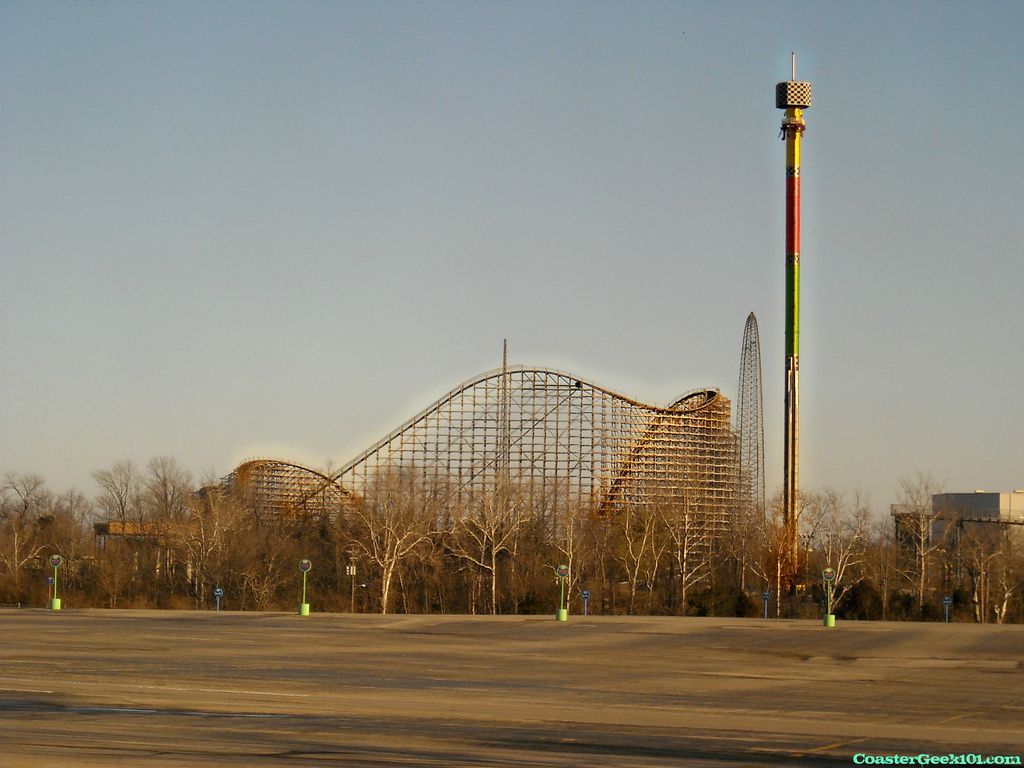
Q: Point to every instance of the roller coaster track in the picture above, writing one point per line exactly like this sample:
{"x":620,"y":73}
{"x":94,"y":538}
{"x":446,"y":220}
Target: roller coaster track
{"x":276,"y":487}
{"x":562,"y":437}
{"x":559,"y":437}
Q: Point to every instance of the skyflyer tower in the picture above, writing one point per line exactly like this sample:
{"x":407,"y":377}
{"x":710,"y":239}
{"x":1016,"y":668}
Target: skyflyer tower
{"x":794,"y":96}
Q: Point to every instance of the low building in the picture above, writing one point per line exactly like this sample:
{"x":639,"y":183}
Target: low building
{"x":953,"y":517}
{"x":979,"y":515}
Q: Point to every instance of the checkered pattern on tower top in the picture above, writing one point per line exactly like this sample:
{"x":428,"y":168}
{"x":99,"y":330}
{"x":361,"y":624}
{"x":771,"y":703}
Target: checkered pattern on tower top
{"x":793,"y":93}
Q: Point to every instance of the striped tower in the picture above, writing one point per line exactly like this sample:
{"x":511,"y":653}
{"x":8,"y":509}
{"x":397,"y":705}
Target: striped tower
{"x":794,"y":97}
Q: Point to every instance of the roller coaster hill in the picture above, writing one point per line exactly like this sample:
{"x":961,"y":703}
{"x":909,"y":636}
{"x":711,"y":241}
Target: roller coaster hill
{"x":555,"y":437}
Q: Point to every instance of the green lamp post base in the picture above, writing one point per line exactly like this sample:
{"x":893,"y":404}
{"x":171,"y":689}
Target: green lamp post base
{"x":563,"y":614}
{"x":830,"y":620}
{"x":304,"y":609}
{"x":54,"y":603}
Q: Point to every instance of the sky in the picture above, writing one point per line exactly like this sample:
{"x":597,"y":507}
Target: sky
{"x":241,"y":229}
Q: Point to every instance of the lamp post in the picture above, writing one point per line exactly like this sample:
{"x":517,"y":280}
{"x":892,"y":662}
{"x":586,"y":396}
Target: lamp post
{"x":304,"y":566}
{"x":56,"y":561}
{"x":563,"y":612}
{"x":829,"y":577}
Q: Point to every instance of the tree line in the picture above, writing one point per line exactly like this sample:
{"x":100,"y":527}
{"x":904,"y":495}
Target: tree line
{"x":404,"y":546}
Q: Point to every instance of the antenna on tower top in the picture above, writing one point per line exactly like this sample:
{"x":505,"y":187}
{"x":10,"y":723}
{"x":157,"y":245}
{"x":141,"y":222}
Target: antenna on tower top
{"x":792,"y":65}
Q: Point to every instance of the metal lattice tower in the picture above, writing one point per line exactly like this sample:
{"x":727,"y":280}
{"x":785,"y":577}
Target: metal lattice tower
{"x":750,"y":419}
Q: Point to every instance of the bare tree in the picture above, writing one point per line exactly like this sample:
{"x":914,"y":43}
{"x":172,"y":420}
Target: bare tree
{"x":203,"y":539}
{"x":837,"y":530}
{"x":992,"y":561}
{"x":167,"y":490}
{"x":600,"y":542}
{"x":488,"y":529}
{"x":774,"y":556}
{"x":167,"y":497}
{"x":881,"y":560}
{"x":394,"y":522}
{"x":23,"y":500}
{"x":915,"y":524}
{"x":1009,"y":573}
{"x":977,"y":554}
{"x":113,"y":574}
{"x":571,"y":522}
{"x":65,"y":529}
{"x":74,"y":506}
{"x":264,"y":560}
{"x":690,"y":536}
{"x":641,"y":546}
{"x":123,"y":558}
{"x":120,"y":498}
{"x":742,"y":541}
{"x":529,"y":553}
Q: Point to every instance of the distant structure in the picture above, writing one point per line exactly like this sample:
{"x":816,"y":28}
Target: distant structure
{"x":281,"y":489}
{"x":750,"y":420}
{"x":956,"y":517}
{"x":794,"y":96}
{"x":981,"y":506}
{"x":560,"y":440}
{"x":973,"y":536}
{"x":555,"y":438}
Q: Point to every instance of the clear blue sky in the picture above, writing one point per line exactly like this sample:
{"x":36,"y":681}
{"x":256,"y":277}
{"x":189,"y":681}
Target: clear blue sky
{"x":281,"y":228}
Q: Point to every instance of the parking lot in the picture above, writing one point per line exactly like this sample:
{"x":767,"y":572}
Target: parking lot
{"x":175,"y":688}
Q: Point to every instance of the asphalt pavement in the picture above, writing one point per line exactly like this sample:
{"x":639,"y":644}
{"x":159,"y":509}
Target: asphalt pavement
{"x":179,"y":688}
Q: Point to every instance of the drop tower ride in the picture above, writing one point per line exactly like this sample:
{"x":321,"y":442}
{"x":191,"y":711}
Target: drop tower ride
{"x":793,"y":96}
